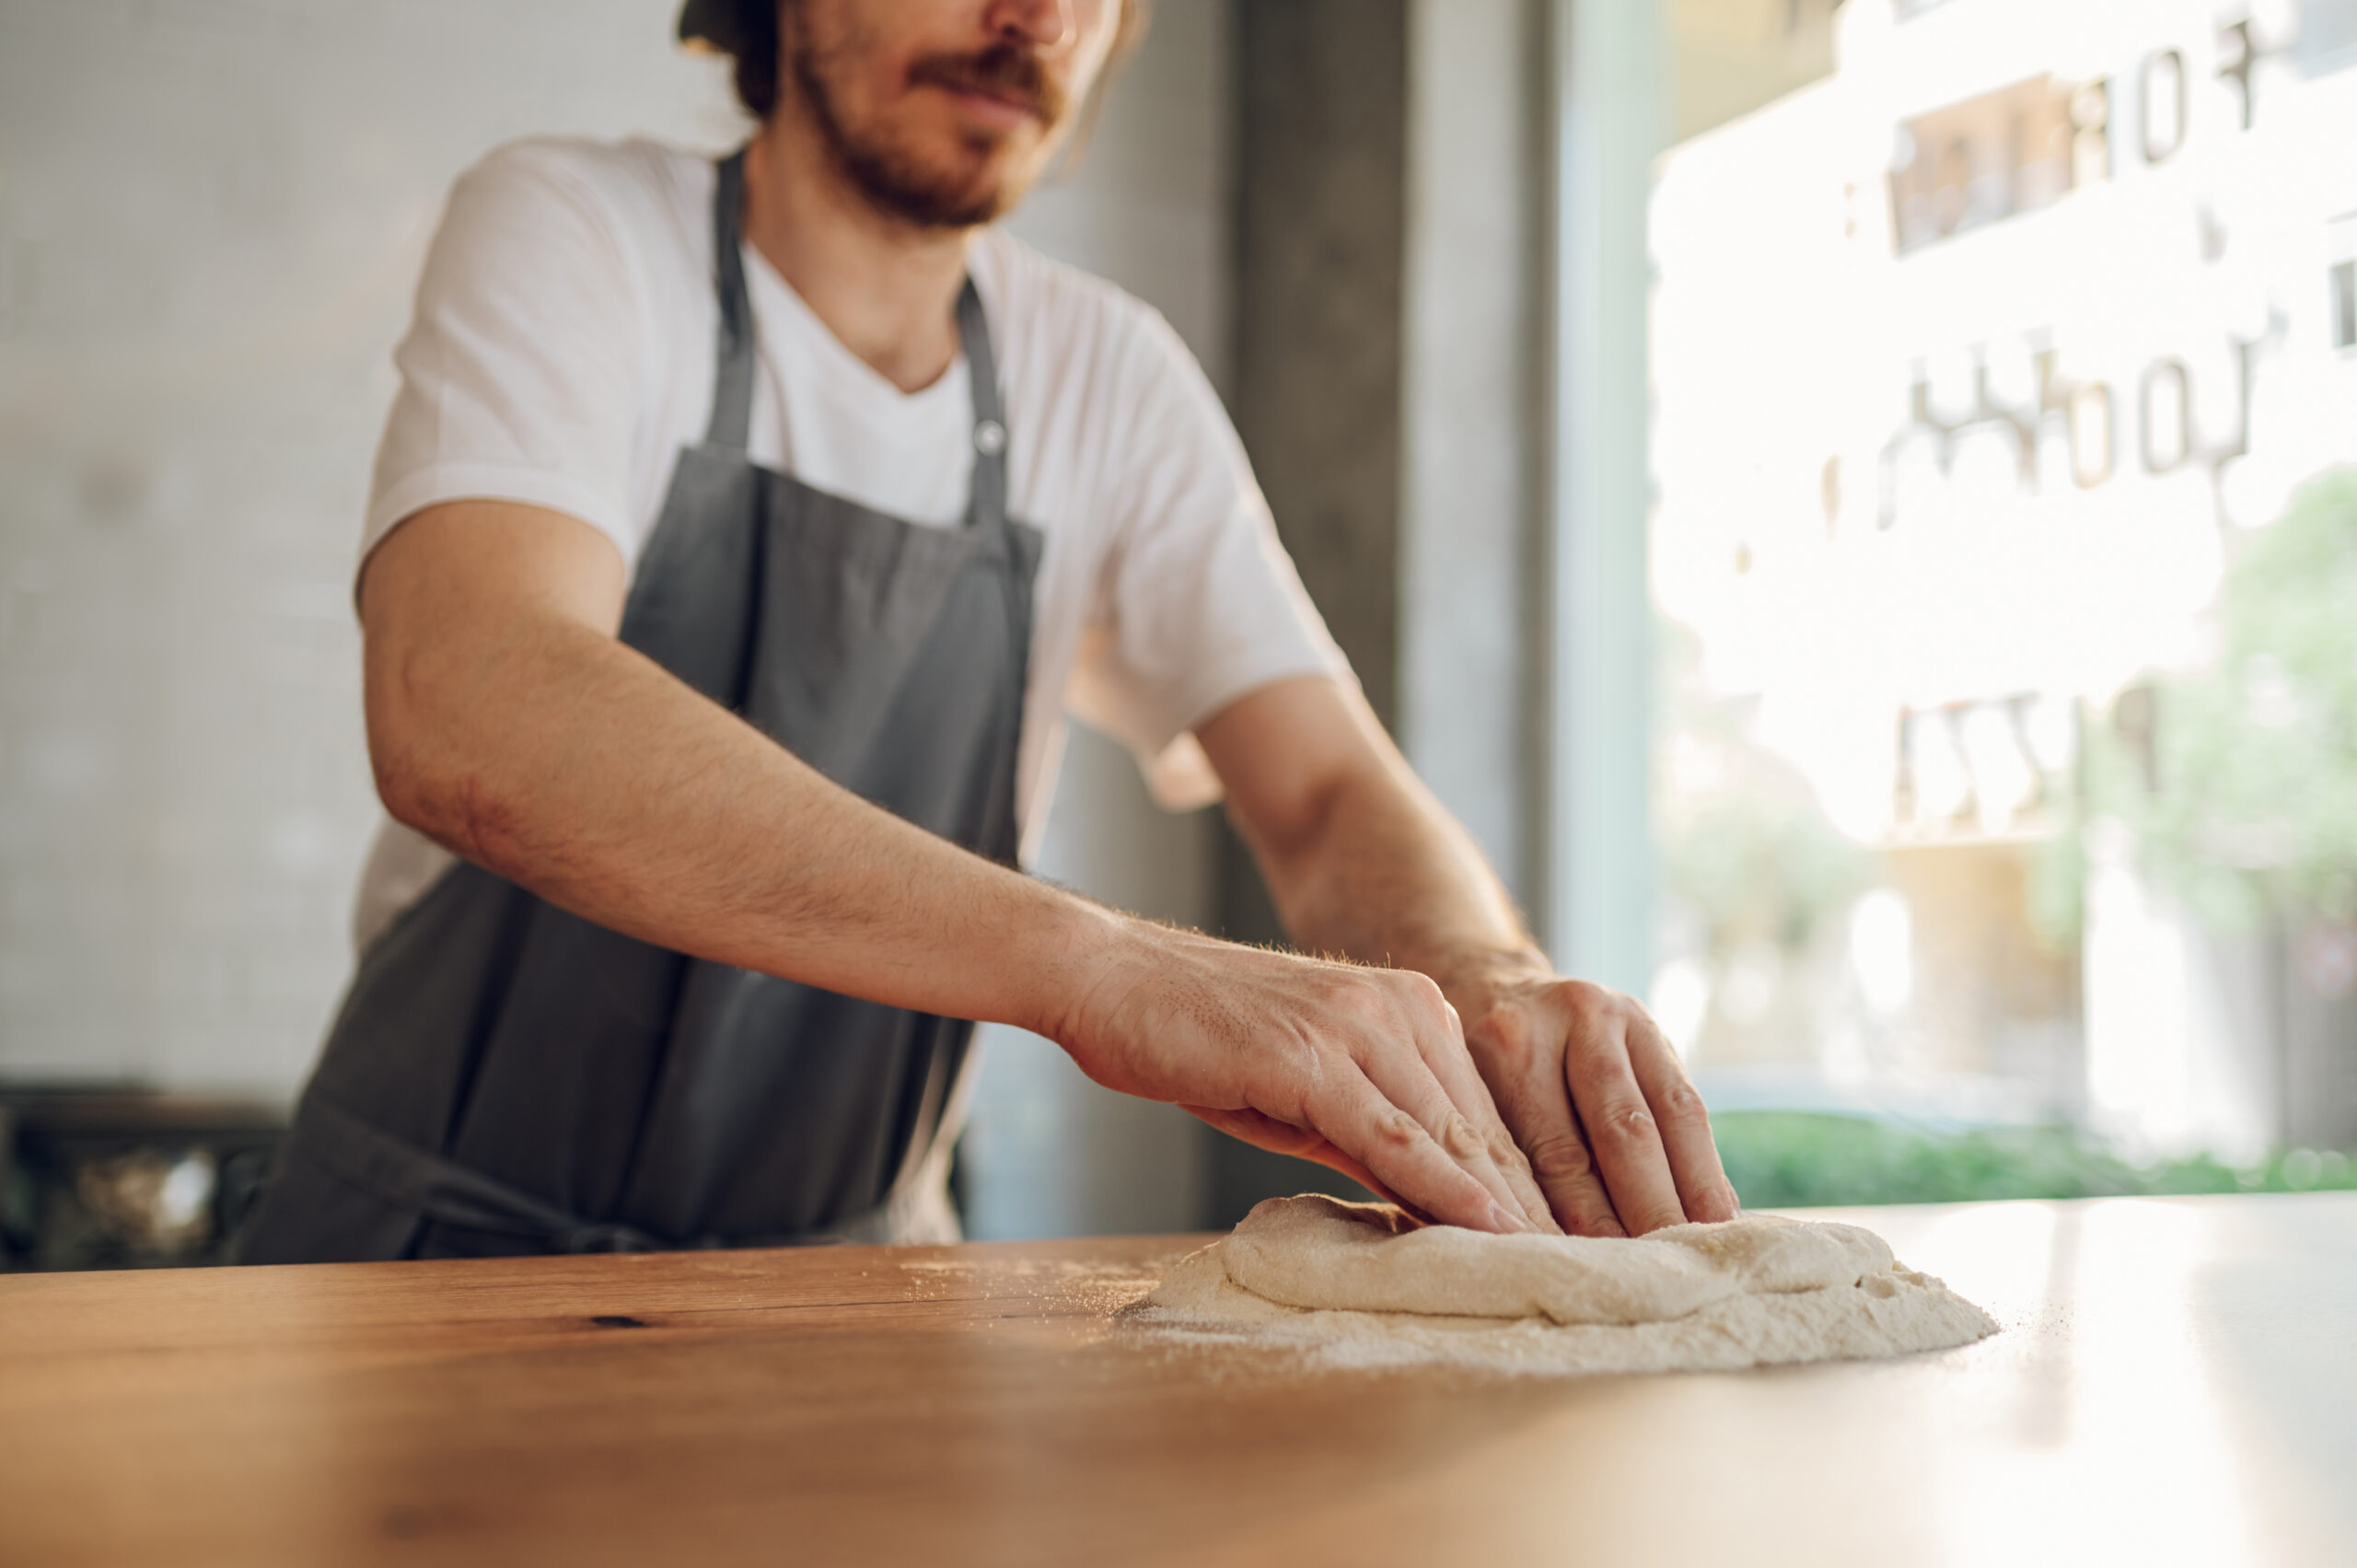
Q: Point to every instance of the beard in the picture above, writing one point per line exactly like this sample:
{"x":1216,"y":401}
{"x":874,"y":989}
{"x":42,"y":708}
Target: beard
{"x":969,"y":187}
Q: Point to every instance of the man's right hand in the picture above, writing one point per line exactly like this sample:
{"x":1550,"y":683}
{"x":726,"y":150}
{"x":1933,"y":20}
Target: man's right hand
{"x":1361,"y":1069}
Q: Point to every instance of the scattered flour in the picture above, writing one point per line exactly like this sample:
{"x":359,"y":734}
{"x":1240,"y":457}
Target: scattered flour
{"x":1356,"y":1285}
{"x":1026,"y":1268}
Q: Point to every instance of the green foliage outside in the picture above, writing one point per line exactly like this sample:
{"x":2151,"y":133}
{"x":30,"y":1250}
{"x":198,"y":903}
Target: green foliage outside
{"x":1798,"y":1159}
{"x":2238,"y":787}
{"x":2245,"y":803}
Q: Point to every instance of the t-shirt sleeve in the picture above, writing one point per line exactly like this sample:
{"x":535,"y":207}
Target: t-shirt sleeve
{"x":521,"y":371}
{"x":1197,"y":604}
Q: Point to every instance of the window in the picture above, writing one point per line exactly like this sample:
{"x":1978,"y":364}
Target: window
{"x":1983,"y":369}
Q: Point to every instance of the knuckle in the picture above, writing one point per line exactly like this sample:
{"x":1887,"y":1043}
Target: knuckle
{"x":1395,"y":1129}
{"x":1604,"y":1011}
{"x":1587,"y":998}
{"x":1562,"y":1157}
{"x":1461,"y":1139}
{"x":1508,"y":1032}
{"x":1423,"y":993}
{"x":1630,"y":1122}
{"x":1681,"y":1107}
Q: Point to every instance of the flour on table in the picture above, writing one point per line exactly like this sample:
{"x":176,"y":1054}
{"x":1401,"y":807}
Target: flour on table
{"x":1359,"y":1285}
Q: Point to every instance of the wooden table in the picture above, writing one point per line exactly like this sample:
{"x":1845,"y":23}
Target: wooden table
{"x":2177,"y":1382}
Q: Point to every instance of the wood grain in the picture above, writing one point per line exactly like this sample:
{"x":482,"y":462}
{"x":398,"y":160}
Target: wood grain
{"x":2173,"y":1377}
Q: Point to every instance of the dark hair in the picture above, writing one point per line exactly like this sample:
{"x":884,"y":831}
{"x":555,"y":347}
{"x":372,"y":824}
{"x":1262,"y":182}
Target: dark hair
{"x":752,"y":35}
{"x":756,"y":49}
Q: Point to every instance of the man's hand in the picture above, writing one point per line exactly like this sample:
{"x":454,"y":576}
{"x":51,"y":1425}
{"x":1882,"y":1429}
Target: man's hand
{"x":1363,"y":860}
{"x":1616,"y":1135}
{"x":1364,"y":1070}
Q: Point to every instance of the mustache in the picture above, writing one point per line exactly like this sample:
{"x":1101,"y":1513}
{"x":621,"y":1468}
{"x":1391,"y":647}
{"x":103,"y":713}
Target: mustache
{"x":1002,"y":71}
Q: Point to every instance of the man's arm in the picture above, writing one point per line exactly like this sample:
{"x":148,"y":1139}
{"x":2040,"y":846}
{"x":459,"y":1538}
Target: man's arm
{"x":507,"y":722}
{"x":1363,"y":861}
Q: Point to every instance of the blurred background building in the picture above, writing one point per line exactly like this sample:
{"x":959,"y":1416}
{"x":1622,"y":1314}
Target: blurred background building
{"x":1983,"y":366}
{"x":1828,"y":492}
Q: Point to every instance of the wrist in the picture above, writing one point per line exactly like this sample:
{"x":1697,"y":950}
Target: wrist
{"x":1077,"y":949}
{"x":1472,"y":977}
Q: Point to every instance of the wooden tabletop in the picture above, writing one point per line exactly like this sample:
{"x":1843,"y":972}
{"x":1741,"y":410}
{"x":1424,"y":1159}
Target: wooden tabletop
{"x":2177,"y":1381}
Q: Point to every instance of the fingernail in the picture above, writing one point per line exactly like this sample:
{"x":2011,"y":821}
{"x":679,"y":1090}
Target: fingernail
{"x":1506,"y":1220}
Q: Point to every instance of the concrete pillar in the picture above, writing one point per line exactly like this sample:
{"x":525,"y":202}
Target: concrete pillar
{"x":1321,"y":232}
{"x":1320,"y":215}
{"x":1388,"y":386}
{"x":1471,"y":623}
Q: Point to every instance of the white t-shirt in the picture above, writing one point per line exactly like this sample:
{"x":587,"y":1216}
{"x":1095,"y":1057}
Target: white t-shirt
{"x":562,"y":353}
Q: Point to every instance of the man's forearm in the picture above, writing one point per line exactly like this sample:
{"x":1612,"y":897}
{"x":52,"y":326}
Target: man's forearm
{"x":556,"y":755}
{"x":1383,"y":875}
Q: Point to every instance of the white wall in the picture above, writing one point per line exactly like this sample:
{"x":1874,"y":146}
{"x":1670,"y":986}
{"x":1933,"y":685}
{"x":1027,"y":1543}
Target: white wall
{"x":211,"y":217}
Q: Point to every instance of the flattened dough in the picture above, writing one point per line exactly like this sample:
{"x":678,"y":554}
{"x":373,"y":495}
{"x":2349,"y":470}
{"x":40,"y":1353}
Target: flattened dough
{"x":1360,"y":1284}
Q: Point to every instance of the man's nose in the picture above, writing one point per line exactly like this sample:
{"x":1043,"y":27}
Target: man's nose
{"x":1048,"y":26}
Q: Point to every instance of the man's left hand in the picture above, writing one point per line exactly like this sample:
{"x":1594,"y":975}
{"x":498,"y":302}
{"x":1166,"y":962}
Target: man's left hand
{"x":1590,"y":1088}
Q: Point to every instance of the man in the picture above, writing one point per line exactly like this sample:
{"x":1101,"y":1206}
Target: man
{"x":738,"y":536}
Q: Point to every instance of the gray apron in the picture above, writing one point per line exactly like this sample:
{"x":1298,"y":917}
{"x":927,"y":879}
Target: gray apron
{"x":505,"y":1077}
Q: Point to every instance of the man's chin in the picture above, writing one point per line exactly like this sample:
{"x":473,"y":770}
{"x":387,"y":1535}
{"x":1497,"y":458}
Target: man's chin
{"x":941,"y":198}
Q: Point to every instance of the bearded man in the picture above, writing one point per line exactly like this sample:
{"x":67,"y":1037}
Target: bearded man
{"x":740,"y":538}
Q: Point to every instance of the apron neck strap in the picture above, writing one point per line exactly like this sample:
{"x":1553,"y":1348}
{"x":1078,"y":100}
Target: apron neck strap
{"x":987,"y":505}
{"x":732,"y":396}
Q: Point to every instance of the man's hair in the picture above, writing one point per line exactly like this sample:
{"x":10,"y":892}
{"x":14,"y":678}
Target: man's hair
{"x":749,"y":30}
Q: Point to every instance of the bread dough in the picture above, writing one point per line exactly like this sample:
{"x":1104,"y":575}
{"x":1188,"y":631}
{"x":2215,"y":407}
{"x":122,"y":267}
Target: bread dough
{"x":1360,"y":1284}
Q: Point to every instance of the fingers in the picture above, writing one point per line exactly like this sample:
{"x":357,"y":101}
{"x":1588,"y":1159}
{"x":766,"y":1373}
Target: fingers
{"x":1703,"y":1185}
{"x":1434,"y":1081}
{"x":1367,"y":1126}
{"x":1622,"y":1131}
{"x":1402,"y":1078}
{"x":1535,"y":1101}
{"x":1261,"y":1131}
{"x":1451,"y":1067}
{"x":1268,"y":1133}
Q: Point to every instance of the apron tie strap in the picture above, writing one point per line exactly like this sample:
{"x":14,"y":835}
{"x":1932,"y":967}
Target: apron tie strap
{"x":401,"y":1173}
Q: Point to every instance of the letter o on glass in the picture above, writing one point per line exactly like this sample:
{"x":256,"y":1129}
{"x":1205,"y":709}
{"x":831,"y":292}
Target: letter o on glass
{"x":2165,"y":415}
{"x":2162,"y":117}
